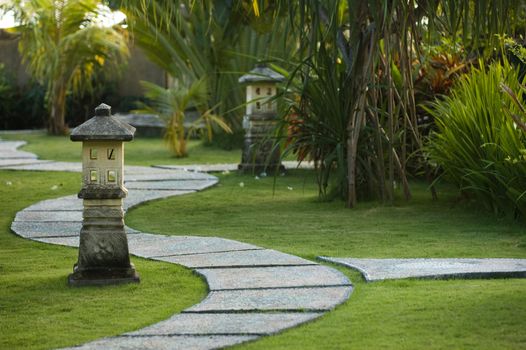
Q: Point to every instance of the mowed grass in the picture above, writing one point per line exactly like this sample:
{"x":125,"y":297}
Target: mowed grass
{"x":285,"y":214}
{"x":455,"y":314}
{"x":406,"y":314}
{"x":140,"y":151}
{"x":38,"y":310}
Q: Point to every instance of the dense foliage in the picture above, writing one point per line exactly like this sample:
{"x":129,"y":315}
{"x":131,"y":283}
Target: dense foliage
{"x":477,"y":145}
{"x":378,"y":48}
{"x":20,"y":107}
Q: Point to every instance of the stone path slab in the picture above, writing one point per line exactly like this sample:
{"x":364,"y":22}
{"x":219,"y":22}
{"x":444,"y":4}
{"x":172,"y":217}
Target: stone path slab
{"x":72,"y":203}
{"x":156,"y":342}
{"x":227,"y":323}
{"x":188,"y":185}
{"x":285,"y":299}
{"x":199,"y":168}
{"x":8,"y":146}
{"x":49,"y":215}
{"x":72,"y":241}
{"x":48,"y":166}
{"x":211,"y":168}
{"x":163,"y":175}
{"x":382,"y":269}
{"x":17,"y":155}
{"x":20,"y":161}
{"x":151,"y":246}
{"x":137,"y":197}
{"x":156,"y":173}
{"x":67,"y":203}
{"x":240,"y":258}
{"x":9,"y":150}
{"x":38,"y":229}
{"x":273,"y":277}
{"x":31,"y":229}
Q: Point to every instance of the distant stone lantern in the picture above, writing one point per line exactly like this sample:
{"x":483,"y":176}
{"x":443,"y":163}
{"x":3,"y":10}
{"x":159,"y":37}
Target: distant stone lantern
{"x":260,"y":119}
{"x":103,"y":249}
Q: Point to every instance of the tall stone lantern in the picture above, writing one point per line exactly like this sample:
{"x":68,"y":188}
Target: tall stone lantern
{"x":103,"y":250}
{"x":259,"y":120}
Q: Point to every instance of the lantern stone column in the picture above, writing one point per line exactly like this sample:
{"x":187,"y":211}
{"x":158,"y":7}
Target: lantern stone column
{"x":259,"y":121}
{"x":103,"y":250}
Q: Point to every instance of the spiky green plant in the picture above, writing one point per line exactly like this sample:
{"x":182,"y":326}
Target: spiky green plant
{"x":477,"y":145}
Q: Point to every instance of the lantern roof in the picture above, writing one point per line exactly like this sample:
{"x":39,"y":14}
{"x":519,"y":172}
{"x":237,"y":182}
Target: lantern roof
{"x":262,"y":74}
{"x":103,"y":127}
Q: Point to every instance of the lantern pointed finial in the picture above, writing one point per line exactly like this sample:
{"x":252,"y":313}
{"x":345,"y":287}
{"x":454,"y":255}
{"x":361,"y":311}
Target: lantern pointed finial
{"x":103,"y":110}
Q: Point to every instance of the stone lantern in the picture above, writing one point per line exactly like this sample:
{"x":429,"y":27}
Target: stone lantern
{"x":259,"y":120}
{"x":103,"y":249}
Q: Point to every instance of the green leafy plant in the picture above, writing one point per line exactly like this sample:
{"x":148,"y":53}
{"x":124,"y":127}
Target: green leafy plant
{"x":171,"y":104}
{"x":476,"y":145}
{"x":7,"y":94}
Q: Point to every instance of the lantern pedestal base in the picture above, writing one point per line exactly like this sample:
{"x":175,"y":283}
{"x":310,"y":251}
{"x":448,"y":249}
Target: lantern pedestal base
{"x":103,"y":276}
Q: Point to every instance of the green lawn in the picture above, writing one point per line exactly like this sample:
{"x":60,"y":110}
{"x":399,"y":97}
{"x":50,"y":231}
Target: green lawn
{"x":288,"y":217}
{"x":141,"y":151}
{"x":408,"y":314}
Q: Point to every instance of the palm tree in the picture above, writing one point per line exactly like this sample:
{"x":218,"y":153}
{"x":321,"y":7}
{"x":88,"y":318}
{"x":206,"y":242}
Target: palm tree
{"x":171,"y":104}
{"x":65,"y":47}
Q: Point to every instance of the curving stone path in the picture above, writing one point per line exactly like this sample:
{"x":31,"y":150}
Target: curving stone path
{"x":253,"y":291}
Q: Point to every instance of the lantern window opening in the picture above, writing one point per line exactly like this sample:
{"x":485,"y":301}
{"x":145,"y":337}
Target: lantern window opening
{"x":111,"y":176}
{"x":258,"y":105}
{"x":93,"y":176}
{"x":269,"y":91}
{"x":258,"y":91}
{"x":93,"y":153}
{"x":111,"y":153}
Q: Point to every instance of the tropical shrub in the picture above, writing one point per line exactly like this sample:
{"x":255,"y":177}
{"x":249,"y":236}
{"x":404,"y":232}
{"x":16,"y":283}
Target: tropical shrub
{"x":171,"y":105}
{"x":7,"y":93}
{"x":20,"y":107}
{"x":478,"y":147}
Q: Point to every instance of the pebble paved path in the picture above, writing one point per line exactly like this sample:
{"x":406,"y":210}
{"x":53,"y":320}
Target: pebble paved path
{"x":253,"y":291}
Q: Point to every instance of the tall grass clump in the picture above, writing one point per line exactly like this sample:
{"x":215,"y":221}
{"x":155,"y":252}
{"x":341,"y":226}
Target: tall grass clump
{"x":477,"y":144}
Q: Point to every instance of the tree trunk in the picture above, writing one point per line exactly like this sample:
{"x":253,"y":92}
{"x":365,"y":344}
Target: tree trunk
{"x":57,"y":117}
{"x":353,"y":129}
{"x":351,"y":168}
